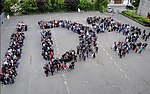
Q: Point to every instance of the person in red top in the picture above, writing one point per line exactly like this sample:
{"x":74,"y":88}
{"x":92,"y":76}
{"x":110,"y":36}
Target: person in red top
{"x":51,"y":54}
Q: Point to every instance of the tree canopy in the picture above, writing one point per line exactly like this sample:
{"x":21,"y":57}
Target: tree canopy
{"x":12,"y":7}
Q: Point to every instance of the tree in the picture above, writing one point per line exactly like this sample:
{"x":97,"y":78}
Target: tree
{"x":29,"y":6}
{"x":41,"y":4}
{"x":71,"y":5}
{"x":48,"y":6}
{"x":86,"y":5}
{"x":97,"y":4}
{"x":53,"y":2}
{"x":101,"y":5}
{"x":7,"y":6}
{"x":60,"y":5}
{"x":54,"y":5}
{"x":1,"y":6}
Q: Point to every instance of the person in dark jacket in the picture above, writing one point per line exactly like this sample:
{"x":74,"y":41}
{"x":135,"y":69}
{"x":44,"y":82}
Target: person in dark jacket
{"x":52,"y":69}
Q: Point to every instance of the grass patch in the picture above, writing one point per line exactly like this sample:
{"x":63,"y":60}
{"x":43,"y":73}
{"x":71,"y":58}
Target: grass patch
{"x":133,"y":15}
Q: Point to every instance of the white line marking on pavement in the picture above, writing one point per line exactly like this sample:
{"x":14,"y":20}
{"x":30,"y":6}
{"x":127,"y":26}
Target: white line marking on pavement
{"x":57,"y":49}
{"x":63,"y":75}
{"x":56,"y":44}
{"x":115,"y":64}
{"x":3,"y":86}
{"x":54,"y":37}
{"x":121,"y":70}
{"x":125,"y":75}
{"x":30,"y":59}
{"x":107,"y":53}
{"x":111,"y":58}
{"x":68,"y":90}
{"x":104,"y":49}
{"x":66,"y":84}
{"x":2,"y":91}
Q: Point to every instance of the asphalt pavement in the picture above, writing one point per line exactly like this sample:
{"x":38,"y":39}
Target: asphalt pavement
{"x":106,"y":74}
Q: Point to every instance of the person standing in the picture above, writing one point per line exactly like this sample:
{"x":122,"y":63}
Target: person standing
{"x":51,"y":54}
{"x":120,"y":52}
{"x":144,"y":34}
{"x":73,"y":64}
{"x":52,"y":69}
{"x":140,"y":50}
{"x":93,"y":55}
{"x":84,"y":56}
{"x":96,"y":49}
{"x":46,"y":69}
{"x":147,"y":36}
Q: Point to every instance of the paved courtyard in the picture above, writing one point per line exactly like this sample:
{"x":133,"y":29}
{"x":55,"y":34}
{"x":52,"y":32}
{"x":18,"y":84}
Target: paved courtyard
{"x":106,"y":74}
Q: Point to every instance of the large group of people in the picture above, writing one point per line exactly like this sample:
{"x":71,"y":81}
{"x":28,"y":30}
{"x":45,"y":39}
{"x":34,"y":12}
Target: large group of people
{"x":87,"y":40}
{"x":63,"y":63}
{"x":131,"y":33}
{"x":10,"y":64}
{"x":47,"y":45}
{"x":87,"y":47}
{"x":87,"y":44}
{"x":21,"y":26}
{"x":129,"y":44}
{"x":123,"y":47}
{"x":102,"y":24}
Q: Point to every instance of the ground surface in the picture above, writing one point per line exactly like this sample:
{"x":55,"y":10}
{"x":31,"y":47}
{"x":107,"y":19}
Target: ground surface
{"x":107,"y":74}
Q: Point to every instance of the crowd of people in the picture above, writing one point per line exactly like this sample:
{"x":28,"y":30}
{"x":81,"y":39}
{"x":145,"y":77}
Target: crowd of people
{"x":123,"y":47}
{"x":63,"y":63}
{"x":21,"y":26}
{"x":47,"y":45}
{"x":10,"y":64}
{"x":87,"y":40}
{"x":131,"y":33}
{"x":102,"y":24}
{"x":87,"y":44}
{"x":129,"y":44}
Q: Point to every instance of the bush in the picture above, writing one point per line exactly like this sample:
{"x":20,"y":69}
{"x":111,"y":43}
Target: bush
{"x":101,"y":9}
{"x":60,"y":5}
{"x":7,"y":6}
{"x":144,"y":20}
{"x":103,"y":5}
{"x":86,"y":5}
{"x":48,"y":6}
{"x":71,"y":5}
{"x":29,"y":6}
{"x":41,"y":6}
{"x":132,"y":14}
